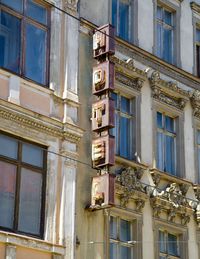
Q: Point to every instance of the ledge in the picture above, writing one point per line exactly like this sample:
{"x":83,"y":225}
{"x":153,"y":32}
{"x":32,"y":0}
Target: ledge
{"x":32,"y":243}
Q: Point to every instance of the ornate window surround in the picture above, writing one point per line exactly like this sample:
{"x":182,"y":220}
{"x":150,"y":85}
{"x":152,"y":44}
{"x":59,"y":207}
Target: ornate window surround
{"x":128,"y":82}
{"x":175,"y":6}
{"x":170,"y":99}
{"x":181,"y":232}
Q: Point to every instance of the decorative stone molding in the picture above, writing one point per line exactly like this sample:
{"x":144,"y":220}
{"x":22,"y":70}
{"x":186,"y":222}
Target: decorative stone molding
{"x":42,"y":124}
{"x":70,"y":5}
{"x":195,"y":101}
{"x":128,"y":186}
{"x":168,"y":92}
{"x":195,"y":7}
{"x":10,"y":251}
{"x":136,"y":83}
{"x":128,"y":67}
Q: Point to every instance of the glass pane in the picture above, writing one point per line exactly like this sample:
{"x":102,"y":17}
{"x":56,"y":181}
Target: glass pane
{"x":113,"y":227}
{"x":125,"y":252}
{"x":36,"y":12}
{"x":30,"y":201}
{"x":35,"y":62}
{"x":114,"y":14}
{"x":7,"y":194}
{"x":172,"y":245}
{"x":125,"y":137}
{"x":124,"y":21}
{"x":113,"y":251}
{"x":162,"y":241}
{"x":125,"y":230}
{"x":159,"y":120}
{"x":8,"y":147}
{"x":160,"y":151}
{"x":159,"y":40}
{"x":170,"y":155}
{"x":114,"y":97}
{"x":168,"y":17}
{"x":159,"y":13}
{"x":167,"y":48}
{"x":169,"y":124}
{"x":125,"y":105}
{"x":16,"y":4}
{"x":32,"y":155}
{"x":10,"y":33}
{"x":197,"y":35}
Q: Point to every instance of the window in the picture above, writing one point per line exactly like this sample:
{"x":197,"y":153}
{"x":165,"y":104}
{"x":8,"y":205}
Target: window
{"x":165,"y":34}
{"x":123,"y":130}
{"x":120,"y":237}
{"x":24,"y":38}
{"x":166,"y":143}
{"x":198,"y":151}
{"x":198,"y":52}
{"x":22,"y":179}
{"x":168,"y":245}
{"x":121,"y":13}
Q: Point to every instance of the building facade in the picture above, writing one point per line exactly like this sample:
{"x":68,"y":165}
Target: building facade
{"x":38,"y":128}
{"x":156,"y":96}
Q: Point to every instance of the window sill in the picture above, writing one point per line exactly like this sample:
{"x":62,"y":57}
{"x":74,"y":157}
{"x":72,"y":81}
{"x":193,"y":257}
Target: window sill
{"x":132,"y":163}
{"x":30,"y":242}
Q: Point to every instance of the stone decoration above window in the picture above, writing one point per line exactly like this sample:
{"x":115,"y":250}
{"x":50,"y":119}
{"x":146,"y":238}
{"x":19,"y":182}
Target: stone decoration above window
{"x":168,"y":92}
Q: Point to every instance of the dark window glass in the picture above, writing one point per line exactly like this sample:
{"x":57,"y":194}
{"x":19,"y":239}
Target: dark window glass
{"x":30,"y":201}
{"x":10,"y":32}
{"x":7,"y":194}
{"x":124,"y":137}
{"x":36,"y":12}
{"x":113,"y":227}
{"x":32,"y":155}
{"x":113,"y":251}
{"x":125,"y":105}
{"x":14,"y":4}
{"x":172,"y":245}
{"x":35,"y":57}
{"x":23,"y":42}
{"x":8,"y":147}
{"x":125,"y":230}
{"x":21,"y":189}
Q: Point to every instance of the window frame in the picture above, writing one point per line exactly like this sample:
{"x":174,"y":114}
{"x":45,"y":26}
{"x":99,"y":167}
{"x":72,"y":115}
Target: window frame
{"x":176,"y":10}
{"x":19,"y":165}
{"x":180,"y":153}
{"x":174,"y":229}
{"x":133,"y":20}
{"x":196,"y":25}
{"x":28,"y":20}
{"x":166,"y":240}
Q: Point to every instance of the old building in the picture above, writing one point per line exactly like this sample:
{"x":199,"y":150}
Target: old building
{"x":38,"y":128}
{"x":157,"y":128}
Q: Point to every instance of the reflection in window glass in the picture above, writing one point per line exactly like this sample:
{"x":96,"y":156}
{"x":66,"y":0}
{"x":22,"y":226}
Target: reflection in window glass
{"x":14,"y":4}
{"x":113,"y":227}
{"x":125,"y":252}
{"x":168,"y":245}
{"x":125,"y":230}
{"x":30,"y":201}
{"x":10,"y":33}
{"x":36,"y":12}
{"x":35,"y":57}
{"x":32,"y":155}
{"x":7,"y":194}
{"x":8,"y":147}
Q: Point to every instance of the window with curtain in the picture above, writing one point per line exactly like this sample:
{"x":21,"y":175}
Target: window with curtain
{"x":121,"y":18}
{"x":22,"y":180}
{"x":165,"y":34}
{"x":168,"y":245}
{"x":166,"y":143}
{"x":123,"y":131}
{"x":120,"y":235}
{"x":24,"y":38}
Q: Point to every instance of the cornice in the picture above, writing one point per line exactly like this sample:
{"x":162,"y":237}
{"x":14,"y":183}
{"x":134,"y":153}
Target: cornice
{"x":195,"y":7}
{"x":168,"y":92}
{"x":70,"y":6}
{"x":41,"y":123}
{"x":195,"y":101}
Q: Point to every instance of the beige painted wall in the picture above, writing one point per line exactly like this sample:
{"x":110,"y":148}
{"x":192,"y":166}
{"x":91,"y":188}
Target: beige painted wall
{"x":24,"y":253}
{"x":2,"y":251}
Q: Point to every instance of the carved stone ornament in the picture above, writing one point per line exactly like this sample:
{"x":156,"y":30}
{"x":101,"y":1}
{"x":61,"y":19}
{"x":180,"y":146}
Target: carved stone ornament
{"x":195,"y":7}
{"x":71,"y":5}
{"x":130,"y":82}
{"x":129,"y":180}
{"x":160,"y":95}
{"x":155,"y":77}
{"x":139,"y":205}
{"x":195,"y":101}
